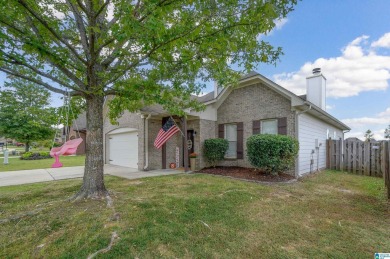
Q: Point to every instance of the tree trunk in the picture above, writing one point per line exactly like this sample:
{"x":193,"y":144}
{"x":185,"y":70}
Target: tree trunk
{"x":93,"y":181}
{"x":27,"y":147}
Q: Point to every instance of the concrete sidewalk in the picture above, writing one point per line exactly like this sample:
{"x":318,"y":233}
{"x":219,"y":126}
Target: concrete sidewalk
{"x":53,"y":174}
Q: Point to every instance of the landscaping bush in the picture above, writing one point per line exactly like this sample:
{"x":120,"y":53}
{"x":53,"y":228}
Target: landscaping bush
{"x":272,"y":153}
{"x":215,"y":149}
{"x":55,"y":144}
{"x":35,"y":155}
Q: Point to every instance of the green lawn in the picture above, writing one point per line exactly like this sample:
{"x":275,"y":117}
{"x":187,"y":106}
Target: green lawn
{"x":17,"y":164}
{"x":329,"y":215}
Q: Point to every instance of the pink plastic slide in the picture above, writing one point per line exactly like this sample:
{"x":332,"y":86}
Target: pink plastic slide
{"x":68,"y":148}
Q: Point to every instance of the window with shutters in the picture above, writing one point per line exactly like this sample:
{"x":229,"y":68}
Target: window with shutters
{"x":231,"y":137}
{"x":269,"y":126}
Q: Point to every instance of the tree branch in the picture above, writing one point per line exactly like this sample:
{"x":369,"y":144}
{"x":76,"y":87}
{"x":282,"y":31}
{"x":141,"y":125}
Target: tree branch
{"x":159,"y":4}
{"x":46,"y":25}
{"x":82,"y":6}
{"x":50,"y":57}
{"x":102,"y":8}
{"x":81,"y":28}
{"x":113,"y":56}
{"x":38,"y":34}
{"x":37,"y":71}
{"x":105,"y":44}
{"x":147,"y":55}
{"x":34,"y":80}
{"x":110,"y":92}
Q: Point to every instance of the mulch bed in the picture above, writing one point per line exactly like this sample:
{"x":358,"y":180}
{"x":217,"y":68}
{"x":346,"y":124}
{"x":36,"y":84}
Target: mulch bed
{"x":246,"y":173}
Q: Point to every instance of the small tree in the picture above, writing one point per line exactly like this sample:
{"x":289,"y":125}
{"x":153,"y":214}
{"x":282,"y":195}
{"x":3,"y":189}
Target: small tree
{"x":215,"y":149}
{"x":387,"y":132}
{"x":24,"y":112}
{"x":368,"y":135}
{"x":272,"y":153}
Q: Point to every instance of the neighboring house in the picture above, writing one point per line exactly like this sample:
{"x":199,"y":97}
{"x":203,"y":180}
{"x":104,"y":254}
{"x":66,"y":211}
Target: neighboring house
{"x":78,"y":129}
{"x":8,"y":141}
{"x":3,"y":141}
{"x":256,"y":105}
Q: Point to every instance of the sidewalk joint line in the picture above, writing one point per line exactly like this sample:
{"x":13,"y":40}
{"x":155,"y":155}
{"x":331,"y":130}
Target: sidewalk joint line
{"x":50,"y":174}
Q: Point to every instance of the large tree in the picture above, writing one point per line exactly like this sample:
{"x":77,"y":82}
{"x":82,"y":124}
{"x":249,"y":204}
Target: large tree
{"x":142,"y":52}
{"x":25,"y":114}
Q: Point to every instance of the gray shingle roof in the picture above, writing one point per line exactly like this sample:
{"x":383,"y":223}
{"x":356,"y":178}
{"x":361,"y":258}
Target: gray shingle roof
{"x":154,"y":109}
{"x":249,"y":75}
{"x":206,"y":97}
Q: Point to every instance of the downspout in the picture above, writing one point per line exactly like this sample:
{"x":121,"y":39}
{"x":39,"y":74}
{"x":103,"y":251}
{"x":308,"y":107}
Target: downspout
{"x":297,"y":135}
{"x":345,"y":131}
{"x":146,"y":141}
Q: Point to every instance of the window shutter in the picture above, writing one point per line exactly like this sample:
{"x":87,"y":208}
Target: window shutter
{"x":221,"y":131}
{"x":282,"y":126}
{"x":240,"y":140}
{"x":256,"y":127}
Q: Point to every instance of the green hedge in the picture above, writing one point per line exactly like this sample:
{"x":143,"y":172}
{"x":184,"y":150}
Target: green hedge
{"x":35,"y":155}
{"x":272,"y":153}
{"x":215,"y":149}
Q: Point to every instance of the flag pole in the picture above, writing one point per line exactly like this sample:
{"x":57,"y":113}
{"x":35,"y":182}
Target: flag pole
{"x":177,"y":126}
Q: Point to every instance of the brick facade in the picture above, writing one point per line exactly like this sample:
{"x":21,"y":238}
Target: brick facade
{"x":254,"y":102}
{"x":155,"y":155}
{"x":208,"y":129}
{"x":245,"y":104}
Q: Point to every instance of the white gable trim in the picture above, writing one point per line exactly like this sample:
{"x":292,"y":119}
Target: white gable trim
{"x":122,"y":130}
{"x":296,"y":102}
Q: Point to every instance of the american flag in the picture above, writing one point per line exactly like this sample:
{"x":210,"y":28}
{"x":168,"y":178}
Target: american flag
{"x":166,"y":132}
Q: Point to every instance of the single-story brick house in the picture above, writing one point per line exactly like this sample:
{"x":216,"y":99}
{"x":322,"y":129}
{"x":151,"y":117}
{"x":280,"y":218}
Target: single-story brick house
{"x":256,"y":105}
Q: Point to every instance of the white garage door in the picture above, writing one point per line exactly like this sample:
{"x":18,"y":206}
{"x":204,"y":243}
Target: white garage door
{"x":124,"y":149}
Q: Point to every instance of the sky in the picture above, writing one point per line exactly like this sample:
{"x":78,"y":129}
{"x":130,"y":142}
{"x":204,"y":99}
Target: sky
{"x":350,"y":41}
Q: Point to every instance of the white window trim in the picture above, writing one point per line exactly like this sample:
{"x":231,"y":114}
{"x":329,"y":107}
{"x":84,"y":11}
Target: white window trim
{"x":261,"y":125}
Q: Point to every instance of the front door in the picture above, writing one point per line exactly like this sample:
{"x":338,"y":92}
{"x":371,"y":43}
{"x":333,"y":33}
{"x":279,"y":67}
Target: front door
{"x":189,"y":144}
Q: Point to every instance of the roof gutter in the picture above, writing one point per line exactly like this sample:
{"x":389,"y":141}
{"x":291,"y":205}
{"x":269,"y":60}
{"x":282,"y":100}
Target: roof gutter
{"x":308,"y":109}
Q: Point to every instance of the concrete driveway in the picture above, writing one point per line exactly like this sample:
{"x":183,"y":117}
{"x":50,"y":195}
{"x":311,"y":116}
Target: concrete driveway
{"x":53,"y":174}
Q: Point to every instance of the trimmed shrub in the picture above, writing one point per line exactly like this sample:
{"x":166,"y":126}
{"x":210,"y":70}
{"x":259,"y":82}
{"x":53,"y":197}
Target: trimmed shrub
{"x":215,"y":149}
{"x":272,"y":153}
{"x":35,"y":155}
